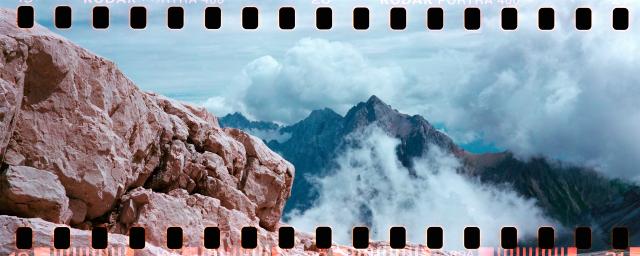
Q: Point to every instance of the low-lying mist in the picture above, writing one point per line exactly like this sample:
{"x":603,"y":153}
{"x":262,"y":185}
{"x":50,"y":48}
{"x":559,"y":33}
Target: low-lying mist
{"x":370,"y":187}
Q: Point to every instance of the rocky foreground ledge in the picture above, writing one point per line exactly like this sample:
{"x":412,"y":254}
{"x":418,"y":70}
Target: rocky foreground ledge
{"x":81,"y":145}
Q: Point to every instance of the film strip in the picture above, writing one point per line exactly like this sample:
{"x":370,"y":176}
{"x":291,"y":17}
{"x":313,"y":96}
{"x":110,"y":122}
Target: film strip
{"x":323,"y":18}
{"x":619,"y":240}
{"x":360,"y":238}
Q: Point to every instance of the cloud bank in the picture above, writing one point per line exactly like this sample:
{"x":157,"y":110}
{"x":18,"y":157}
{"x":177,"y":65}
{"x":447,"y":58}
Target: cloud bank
{"x":566,"y":94}
{"x":313,"y":74}
{"x":370,"y":187}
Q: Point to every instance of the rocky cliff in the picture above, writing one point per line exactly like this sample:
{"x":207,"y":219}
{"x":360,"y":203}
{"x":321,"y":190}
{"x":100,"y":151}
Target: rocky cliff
{"x":81,"y":145}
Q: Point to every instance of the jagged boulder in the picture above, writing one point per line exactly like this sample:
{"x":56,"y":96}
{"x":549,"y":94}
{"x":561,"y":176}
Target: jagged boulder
{"x":193,"y":213}
{"x":29,"y":192}
{"x":79,"y":117}
{"x":123,"y":157}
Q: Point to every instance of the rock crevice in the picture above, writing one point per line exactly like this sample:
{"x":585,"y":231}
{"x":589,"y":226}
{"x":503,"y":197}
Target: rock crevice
{"x":101,"y":152}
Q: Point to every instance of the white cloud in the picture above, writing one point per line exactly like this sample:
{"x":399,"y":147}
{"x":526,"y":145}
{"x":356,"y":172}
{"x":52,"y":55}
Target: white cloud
{"x":270,"y":134}
{"x":218,"y":104}
{"x":566,"y":94}
{"x":313,"y":74}
{"x":370,"y":181}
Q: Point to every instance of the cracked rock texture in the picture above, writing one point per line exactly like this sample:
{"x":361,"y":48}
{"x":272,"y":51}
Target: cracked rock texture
{"x":81,"y":145}
{"x":29,"y":192}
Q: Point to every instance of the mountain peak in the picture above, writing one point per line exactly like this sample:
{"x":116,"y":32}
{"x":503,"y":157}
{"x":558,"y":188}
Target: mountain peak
{"x":373,"y":109}
{"x":237,"y":115}
{"x":323,"y":112}
{"x":238,"y":120}
{"x":376,"y":104}
{"x":374,"y":100}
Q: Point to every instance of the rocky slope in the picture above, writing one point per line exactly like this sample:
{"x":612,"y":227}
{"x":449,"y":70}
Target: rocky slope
{"x":573,"y":195}
{"x":81,"y":145}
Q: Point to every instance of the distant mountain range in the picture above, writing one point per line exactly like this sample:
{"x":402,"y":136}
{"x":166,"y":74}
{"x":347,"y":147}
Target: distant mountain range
{"x":573,"y":195}
{"x":238,"y":120}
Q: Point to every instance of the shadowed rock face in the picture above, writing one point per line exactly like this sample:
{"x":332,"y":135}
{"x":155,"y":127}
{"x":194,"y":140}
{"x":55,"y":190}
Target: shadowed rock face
{"x":98,"y":151}
{"x":30,"y":192}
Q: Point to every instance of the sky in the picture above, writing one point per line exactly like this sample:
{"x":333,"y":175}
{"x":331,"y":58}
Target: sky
{"x":565,"y":94}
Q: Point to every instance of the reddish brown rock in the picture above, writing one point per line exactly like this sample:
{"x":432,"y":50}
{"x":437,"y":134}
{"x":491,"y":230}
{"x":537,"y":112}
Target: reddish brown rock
{"x":42,"y":232}
{"x":84,"y":121}
{"x":259,"y":180}
{"x":148,"y":209}
{"x":12,"y":61}
{"x":79,"y":210}
{"x":29,"y":192}
{"x":117,"y":153}
{"x":79,"y":118}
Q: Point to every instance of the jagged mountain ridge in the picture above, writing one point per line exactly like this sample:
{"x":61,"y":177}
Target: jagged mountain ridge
{"x":316,"y":139}
{"x":572,"y":195}
{"x":238,"y":120}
